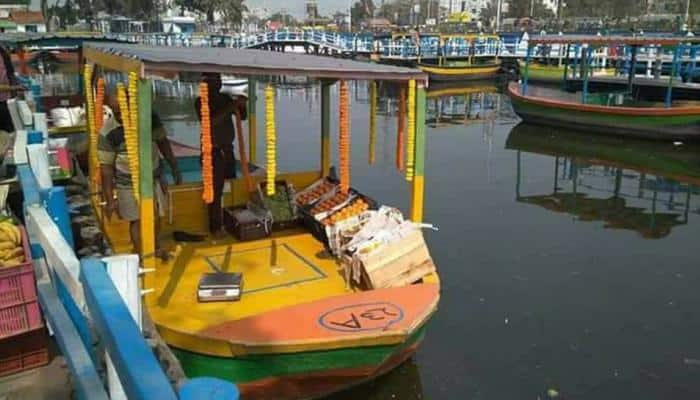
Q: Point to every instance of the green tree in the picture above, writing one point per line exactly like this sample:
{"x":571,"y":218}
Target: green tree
{"x":522,"y":9}
{"x":361,"y":10}
{"x":284,"y":18}
{"x":232,"y":11}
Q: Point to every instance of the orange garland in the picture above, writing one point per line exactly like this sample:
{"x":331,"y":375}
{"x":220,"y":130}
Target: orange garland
{"x":207,"y":166}
{"x":344,"y":137}
{"x":401,"y":132}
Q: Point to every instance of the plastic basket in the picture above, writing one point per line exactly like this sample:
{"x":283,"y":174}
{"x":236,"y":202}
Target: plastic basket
{"x":19,"y":306}
{"x":22,"y":352}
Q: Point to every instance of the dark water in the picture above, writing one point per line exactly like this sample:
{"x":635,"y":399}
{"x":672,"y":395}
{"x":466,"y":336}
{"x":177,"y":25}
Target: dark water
{"x":566,"y":261}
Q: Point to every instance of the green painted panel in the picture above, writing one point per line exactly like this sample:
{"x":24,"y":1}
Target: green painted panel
{"x":252,"y":368}
{"x":145,"y":142}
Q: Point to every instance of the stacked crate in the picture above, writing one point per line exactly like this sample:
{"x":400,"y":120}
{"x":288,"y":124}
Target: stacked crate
{"x":23,"y":338}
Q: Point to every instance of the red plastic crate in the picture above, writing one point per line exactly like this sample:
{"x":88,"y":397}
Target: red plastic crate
{"x":19,"y":306}
{"x":25,"y":351}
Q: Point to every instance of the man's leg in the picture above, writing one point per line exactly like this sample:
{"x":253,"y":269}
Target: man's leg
{"x":215,"y":210}
{"x":135,"y":232}
{"x":129,"y":211}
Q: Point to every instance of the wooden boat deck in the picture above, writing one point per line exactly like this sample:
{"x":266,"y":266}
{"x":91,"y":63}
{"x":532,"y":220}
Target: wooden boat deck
{"x":289,"y":279}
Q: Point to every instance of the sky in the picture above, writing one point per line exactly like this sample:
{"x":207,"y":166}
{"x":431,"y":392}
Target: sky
{"x":296,"y":7}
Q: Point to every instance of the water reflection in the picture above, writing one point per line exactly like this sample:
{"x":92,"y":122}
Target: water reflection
{"x":641,"y":186}
{"x":402,"y":383}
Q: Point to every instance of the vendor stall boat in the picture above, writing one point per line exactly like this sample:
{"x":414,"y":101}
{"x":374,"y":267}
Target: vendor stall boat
{"x":611,"y":113}
{"x":301,"y":328}
{"x":471,"y":67}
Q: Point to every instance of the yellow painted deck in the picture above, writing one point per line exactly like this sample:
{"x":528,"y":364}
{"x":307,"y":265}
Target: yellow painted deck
{"x":288,"y":269}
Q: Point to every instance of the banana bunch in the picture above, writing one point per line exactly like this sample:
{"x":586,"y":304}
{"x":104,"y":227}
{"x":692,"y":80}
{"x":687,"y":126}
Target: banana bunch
{"x":11,"y":250}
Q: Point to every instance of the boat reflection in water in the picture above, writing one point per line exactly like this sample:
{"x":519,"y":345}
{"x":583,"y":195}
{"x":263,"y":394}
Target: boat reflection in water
{"x":463,"y":104}
{"x":647,"y":187}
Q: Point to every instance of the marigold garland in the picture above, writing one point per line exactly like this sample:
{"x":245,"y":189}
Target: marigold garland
{"x":271,"y":139}
{"x":401,"y":129}
{"x":205,"y":137}
{"x":344,"y":137}
{"x":90,"y":114}
{"x":411,"y":139}
{"x":130,"y":139}
{"x":372,"y":122}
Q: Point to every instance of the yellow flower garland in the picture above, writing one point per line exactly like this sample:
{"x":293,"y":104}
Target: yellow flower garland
{"x":205,"y":137}
{"x":411,"y":140}
{"x":271,"y":140}
{"x":130,"y":139}
{"x":344,"y":137}
{"x":90,"y":114}
{"x":372,"y":121}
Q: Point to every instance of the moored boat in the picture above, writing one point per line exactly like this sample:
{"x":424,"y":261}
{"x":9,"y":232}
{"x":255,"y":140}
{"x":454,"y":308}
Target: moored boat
{"x":301,"y":328}
{"x":471,"y":65}
{"x":611,"y":113}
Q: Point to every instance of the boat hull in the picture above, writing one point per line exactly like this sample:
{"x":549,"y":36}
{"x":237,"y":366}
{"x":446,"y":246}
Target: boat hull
{"x":677,"y":123}
{"x":304,"y":375}
{"x":452,"y":74}
{"x":554,"y":73}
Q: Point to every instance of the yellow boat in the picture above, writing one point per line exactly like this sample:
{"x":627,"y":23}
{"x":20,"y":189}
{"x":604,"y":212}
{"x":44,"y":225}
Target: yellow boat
{"x":472,"y":67}
{"x":299,"y":330}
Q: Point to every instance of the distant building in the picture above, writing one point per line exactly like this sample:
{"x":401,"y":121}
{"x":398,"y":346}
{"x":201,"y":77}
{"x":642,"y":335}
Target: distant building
{"x":20,"y":20}
{"x":378,"y":24}
{"x":473,"y":7}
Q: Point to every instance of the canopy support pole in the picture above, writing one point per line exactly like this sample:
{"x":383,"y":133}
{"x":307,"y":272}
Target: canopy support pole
{"x":585,"y":68}
{"x":632,"y":69}
{"x":147,"y":205}
{"x":418,"y":183}
{"x":326,"y":127}
{"x":252,"y":121}
{"x":523,"y":89}
{"x":674,"y":70}
{"x":566,"y":64}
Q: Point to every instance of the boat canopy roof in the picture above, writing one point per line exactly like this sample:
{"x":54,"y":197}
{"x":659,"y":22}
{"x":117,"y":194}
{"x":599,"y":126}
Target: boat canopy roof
{"x":613,"y":40}
{"x":153,"y":59}
{"x":54,"y":39}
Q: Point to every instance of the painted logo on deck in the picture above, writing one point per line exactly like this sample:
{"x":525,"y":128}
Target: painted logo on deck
{"x":362,"y":317}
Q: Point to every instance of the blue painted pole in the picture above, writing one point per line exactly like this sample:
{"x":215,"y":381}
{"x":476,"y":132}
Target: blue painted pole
{"x":674,"y":65}
{"x":208,"y":388}
{"x":576,"y":49}
{"x":139,"y":372}
{"x":690,"y":70}
{"x":35,"y":137}
{"x":523,"y":89}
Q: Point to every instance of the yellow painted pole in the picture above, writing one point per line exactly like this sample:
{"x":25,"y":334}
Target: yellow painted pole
{"x":146,"y":203}
{"x":252,"y":121}
{"x":372,"y":122}
{"x":418,"y":184}
{"x":326,"y":127}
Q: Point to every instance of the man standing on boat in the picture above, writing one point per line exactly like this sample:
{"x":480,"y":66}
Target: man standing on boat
{"x":222,"y":109}
{"x":116,"y":175}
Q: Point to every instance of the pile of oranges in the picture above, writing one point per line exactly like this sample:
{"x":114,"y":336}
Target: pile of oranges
{"x":329,"y":204}
{"x":356,"y":207}
{"x":318,"y":192}
{"x":207,"y":166}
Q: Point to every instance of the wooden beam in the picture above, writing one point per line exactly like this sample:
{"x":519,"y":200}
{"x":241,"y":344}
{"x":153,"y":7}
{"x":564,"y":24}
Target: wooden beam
{"x":113,"y":61}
